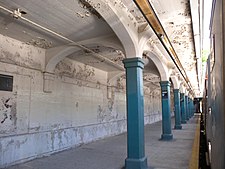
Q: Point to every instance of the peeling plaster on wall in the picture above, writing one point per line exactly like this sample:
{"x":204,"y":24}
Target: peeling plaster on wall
{"x":107,"y":112}
{"x":151,"y":78}
{"x":118,"y":83}
{"x":118,"y":59}
{"x":6,"y":56}
{"x":146,"y":90}
{"x":65,"y":68}
{"x":77,"y":111}
{"x":153,"y":108}
{"x":40,"y":42}
{"x":61,"y":140}
{"x":18,"y":53}
{"x":101,"y":114}
{"x":56,"y":139}
{"x":85,"y":72}
{"x":89,"y":8}
{"x":82,"y":72}
{"x":113,"y":114}
{"x":73,"y":72}
{"x":109,"y":53}
{"x":7,"y":113}
{"x":121,"y":83}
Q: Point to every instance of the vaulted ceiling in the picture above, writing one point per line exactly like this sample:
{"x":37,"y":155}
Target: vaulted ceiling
{"x":79,"y":22}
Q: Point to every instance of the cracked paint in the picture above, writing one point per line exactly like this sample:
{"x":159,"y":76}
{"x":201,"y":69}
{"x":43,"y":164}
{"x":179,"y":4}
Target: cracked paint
{"x":89,"y":9}
{"x":40,"y":42}
{"x":17,"y":59}
{"x":8,"y":113}
{"x":82,"y":72}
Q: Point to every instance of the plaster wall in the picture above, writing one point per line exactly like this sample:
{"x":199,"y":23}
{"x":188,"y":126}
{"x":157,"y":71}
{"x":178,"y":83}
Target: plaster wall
{"x":78,"y":108}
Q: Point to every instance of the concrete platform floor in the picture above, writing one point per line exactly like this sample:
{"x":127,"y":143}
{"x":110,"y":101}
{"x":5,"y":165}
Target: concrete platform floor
{"x":110,"y":153}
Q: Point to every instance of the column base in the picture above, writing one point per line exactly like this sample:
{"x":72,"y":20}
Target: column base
{"x":178,"y":127}
{"x":183,"y":122}
{"x":136,"y":163}
{"x":166,"y":137}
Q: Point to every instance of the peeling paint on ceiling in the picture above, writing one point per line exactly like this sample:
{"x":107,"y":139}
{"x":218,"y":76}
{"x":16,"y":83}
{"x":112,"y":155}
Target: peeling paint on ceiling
{"x":79,"y":21}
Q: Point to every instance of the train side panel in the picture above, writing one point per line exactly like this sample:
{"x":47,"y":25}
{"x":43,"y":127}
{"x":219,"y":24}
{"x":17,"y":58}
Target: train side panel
{"x":216,"y":98}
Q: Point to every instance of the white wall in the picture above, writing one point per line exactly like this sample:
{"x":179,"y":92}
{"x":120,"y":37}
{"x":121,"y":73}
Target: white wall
{"x":80,"y":108}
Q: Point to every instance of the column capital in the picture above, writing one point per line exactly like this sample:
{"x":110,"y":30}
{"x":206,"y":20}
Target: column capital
{"x":133,"y":62}
{"x":164,"y":83}
{"x":176,"y":90}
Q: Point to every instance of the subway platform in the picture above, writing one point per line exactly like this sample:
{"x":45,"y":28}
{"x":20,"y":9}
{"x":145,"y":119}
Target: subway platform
{"x":110,"y":153}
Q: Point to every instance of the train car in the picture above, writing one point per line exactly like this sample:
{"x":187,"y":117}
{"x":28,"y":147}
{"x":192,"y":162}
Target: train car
{"x":214,"y":97}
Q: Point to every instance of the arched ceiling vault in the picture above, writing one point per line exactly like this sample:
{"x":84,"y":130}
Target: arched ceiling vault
{"x":114,"y":29}
{"x":175,"y":81}
{"x":161,"y":67}
{"x":176,"y":20}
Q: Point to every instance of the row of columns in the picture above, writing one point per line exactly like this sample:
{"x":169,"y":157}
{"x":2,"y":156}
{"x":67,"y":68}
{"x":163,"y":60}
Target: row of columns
{"x":136,"y":158}
{"x":183,"y":110}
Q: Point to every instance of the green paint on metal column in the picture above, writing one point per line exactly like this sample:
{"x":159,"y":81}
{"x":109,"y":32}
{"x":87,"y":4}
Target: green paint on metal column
{"x":187,"y":108}
{"x":190,"y":109}
{"x":183,"y":108}
{"x":193,"y":108}
{"x":177,"y":109}
{"x":166,"y":116}
{"x":136,"y":158}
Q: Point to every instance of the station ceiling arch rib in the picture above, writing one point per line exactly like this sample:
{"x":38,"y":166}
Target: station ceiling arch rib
{"x":150,"y":15}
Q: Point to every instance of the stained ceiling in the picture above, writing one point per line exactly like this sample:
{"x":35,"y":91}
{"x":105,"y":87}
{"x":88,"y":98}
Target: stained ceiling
{"x":78,"y":21}
{"x":176,"y":18}
{"x":73,"y":19}
{"x":177,"y":21}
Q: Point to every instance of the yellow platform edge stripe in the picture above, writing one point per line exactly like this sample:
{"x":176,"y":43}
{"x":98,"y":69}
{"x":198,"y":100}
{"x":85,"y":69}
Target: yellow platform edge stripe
{"x":194,"y":160}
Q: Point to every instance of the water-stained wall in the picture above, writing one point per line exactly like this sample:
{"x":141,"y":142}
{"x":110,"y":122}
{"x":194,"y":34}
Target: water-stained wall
{"x":78,"y":106}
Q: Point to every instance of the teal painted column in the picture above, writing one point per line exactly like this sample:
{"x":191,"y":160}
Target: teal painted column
{"x":193,"y":107}
{"x":166,"y":116}
{"x":190,"y":109}
{"x":135,"y":114}
{"x":187,"y":109}
{"x":183,"y":108}
{"x":177,"y":109}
